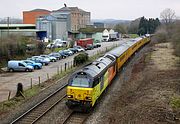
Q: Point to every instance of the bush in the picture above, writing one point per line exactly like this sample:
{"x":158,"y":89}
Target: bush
{"x":170,"y":33}
{"x":80,"y":59}
{"x":161,"y":35}
{"x":15,"y":47}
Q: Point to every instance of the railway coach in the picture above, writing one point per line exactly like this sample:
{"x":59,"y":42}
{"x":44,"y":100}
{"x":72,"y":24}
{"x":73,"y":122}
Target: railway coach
{"x":125,"y":51}
{"x":86,"y":85}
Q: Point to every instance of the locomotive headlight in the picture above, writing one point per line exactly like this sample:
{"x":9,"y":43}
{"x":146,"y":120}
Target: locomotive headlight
{"x":88,"y":98}
{"x":70,"y":96}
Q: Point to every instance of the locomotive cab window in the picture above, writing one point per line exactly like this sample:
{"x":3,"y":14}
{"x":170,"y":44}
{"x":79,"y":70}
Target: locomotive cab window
{"x":80,"y":81}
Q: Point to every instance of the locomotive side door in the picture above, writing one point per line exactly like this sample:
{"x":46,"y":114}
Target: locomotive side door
{"x":101,"y":83}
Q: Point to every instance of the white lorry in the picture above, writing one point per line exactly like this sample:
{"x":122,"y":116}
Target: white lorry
{"x":113,"y":36}
{"x":105,"y":35}
{"x":110,"y":35}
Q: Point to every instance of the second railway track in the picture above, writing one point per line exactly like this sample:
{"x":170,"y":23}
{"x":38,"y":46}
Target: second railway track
{"x":40,"y":109}
{"x":76,"y":118}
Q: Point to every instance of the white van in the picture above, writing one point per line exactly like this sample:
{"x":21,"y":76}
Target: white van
{"x":15,"y":65}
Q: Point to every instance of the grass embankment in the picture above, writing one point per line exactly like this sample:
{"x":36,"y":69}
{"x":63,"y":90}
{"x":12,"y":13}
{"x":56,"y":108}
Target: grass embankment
{"x":175,"y":102}
{"x":133,"y":35}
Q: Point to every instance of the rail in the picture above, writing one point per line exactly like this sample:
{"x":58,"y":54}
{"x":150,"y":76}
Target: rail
{"x":37,"y":111}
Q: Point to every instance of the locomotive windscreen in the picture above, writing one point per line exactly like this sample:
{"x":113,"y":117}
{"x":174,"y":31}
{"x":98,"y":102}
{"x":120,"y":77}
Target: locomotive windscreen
{"x":80,"y":80}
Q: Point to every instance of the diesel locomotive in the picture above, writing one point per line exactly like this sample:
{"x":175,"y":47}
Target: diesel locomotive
{"x":86,"y":85}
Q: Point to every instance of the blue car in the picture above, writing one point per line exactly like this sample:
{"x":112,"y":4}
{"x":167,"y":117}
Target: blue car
{"x":34,"y":64}
{"x":39,"y":60}
{"x":63,"y":54}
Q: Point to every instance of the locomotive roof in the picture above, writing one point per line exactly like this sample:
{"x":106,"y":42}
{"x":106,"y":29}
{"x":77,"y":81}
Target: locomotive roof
{"x":123,"y":47}
{"x":98,"y":66}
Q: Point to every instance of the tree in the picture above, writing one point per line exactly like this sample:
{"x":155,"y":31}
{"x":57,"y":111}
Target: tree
{"x":148,"y":26}
{"x":40,"y":47}
{"x":143,"y":26}
{"x":121,"y":28}
{"x":134,"y":25}
{"x":168,"y":16}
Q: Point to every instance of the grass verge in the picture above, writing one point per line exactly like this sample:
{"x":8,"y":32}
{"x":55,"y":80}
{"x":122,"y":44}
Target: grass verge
{"x":175,"y":102}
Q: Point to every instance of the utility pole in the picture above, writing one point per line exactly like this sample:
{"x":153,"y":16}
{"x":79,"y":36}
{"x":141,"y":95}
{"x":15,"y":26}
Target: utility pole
{"x":8,"y":20}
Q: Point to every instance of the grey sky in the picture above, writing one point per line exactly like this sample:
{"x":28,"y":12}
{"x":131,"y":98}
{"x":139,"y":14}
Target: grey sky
{"x":100,"y":9}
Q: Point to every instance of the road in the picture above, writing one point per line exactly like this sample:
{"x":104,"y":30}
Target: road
{"x":9,"y":81}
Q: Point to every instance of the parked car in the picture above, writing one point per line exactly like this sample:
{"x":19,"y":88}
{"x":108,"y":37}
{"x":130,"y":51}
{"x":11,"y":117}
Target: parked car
{"x":39,"y":59}
{"x":34,"y":64}
{"x":57,"y":44}
{"x":15,"y":65}
{"x":57,"y":55}
{"x":89,"y":47}
{"x":65,"y":54}
{"x":51,"y":58}
{"x":73,"y":50}
{"x":79,"y":48}
{"x":69,"y":52}
{"x":62,"y":54}
{"x":96,"y":45}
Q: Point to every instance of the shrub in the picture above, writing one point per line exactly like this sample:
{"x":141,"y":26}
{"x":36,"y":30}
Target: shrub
{"x":80,"y":59}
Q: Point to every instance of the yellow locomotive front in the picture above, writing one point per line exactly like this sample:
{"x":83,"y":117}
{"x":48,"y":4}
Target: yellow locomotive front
{"x":80,"y":91}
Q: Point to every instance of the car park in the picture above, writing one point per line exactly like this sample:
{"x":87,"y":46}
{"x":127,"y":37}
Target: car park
{"x":34,"y":64}
{"x":51,"y":58}
{"x":16,"y":65}
{"x":57,"y":55}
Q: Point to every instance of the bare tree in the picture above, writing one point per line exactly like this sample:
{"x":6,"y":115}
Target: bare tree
{"x":168,"y":16}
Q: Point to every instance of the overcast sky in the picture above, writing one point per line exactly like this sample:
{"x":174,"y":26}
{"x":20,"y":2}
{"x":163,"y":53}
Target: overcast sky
{"x":100,"y":9}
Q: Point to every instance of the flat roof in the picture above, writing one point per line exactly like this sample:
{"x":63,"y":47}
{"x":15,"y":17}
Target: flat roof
{"x":17,"y":25}
{"x":21,"y":30}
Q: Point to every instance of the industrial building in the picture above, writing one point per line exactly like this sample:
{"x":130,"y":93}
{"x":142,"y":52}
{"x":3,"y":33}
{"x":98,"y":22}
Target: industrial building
{"x":28,"y":30}
{"x":29,"y":17}
{"x":56,"y":25}
{"x":64,"y":22}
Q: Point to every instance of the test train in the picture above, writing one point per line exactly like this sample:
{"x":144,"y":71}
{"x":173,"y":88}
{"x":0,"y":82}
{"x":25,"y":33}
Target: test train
{"x":86,"y":85}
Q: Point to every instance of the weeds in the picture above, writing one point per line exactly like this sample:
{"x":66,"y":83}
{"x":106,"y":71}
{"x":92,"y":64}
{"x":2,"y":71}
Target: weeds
{"x":175,"y":102}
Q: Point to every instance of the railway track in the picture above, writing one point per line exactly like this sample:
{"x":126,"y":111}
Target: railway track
{"x":76,"y":118}
{"x":40,"y":109}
